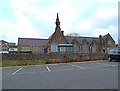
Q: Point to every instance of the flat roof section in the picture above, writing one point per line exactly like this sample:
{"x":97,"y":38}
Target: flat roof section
{"x":65,"y":45}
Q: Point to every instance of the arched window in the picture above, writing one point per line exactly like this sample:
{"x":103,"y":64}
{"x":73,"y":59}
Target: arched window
{"x":94,"y":48}
{"x":53,"y":47}
{"x":76,"y":48}
{"x":85,"y":48}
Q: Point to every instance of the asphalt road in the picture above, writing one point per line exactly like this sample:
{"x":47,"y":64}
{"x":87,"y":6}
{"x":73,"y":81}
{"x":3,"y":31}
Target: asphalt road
{"x":88,"y":75}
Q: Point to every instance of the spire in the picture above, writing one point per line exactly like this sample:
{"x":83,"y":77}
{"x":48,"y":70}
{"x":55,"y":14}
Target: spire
{"x":57,"y":21}
{"x":57,"y":16}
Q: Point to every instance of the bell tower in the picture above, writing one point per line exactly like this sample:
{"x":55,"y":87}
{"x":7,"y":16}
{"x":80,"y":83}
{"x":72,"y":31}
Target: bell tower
{"x":58,"y":36}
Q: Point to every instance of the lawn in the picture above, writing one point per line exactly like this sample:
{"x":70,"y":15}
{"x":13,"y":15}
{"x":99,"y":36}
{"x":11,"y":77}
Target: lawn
{"x":8,"y":63}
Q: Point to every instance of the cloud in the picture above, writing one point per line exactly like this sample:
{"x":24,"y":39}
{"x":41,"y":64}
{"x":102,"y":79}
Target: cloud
{"x":106,"y":13}
{"x":36,"y":18}
{"x":100,"y":21}
{"x":110,"y":29}
{"x":7,"y":32}
{"x":5,"y":26}
{"x":85,"y":25}
{"x":106,"y":1}
{"x":105,"y":16}
{"x":24,"y":26}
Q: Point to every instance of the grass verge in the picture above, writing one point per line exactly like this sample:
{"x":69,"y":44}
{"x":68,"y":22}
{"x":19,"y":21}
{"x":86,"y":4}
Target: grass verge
{"x":8,"y":63}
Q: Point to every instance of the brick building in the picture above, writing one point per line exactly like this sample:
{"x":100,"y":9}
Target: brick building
{"x":57,"y":42}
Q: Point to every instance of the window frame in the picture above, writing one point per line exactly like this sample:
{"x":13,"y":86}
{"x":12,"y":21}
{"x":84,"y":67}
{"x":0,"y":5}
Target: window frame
{"x":84,"y":47}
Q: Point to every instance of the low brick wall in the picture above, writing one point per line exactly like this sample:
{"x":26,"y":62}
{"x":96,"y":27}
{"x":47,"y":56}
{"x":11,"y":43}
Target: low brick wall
{"x":56,"y":57}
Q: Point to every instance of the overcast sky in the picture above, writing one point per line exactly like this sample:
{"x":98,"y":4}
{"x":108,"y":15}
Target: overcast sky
{"x":36,"y":18}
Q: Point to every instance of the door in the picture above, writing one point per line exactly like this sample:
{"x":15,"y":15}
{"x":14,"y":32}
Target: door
{"x":45,"y":50}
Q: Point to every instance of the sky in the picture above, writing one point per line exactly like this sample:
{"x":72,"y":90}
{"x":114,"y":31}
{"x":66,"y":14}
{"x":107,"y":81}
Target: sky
{"x":36,"y":18}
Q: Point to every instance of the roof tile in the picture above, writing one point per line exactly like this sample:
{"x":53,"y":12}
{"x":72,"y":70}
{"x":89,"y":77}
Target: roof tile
{"x":32,"y":41}
{"x":80,"y":39}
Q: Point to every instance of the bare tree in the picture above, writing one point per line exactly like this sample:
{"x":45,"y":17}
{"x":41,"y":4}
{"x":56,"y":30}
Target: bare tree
{"x":73,"y":34}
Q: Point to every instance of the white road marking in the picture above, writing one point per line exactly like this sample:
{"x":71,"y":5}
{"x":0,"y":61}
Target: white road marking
{"x":48,"y":68}
{"x":38,"y":72}
{"x":17,"y":70}
{"x":77,"y":66}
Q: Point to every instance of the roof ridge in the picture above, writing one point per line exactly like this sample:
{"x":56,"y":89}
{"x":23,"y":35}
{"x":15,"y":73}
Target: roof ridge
{"x":80,"y":37}
{"x":33,"y":38}
{"x":104,"y":35}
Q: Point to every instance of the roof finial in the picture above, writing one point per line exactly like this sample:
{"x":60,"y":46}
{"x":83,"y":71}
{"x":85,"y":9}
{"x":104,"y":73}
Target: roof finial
{"x":57,"y":20}
{"x":57,"y":16}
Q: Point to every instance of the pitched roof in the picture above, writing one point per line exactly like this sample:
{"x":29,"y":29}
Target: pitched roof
{"x":32,"y":41}
{"x":3,"y":41}
{"x":12,"y":46}
{"x":80,"y":39}
{"x":51,"y":36}
{"x":104,"y":37}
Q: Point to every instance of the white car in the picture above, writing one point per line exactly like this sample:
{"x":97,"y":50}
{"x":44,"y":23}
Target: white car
{"x":2,"y":52}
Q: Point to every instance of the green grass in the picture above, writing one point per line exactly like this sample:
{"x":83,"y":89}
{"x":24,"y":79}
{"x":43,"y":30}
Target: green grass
{"x":8,"y":63}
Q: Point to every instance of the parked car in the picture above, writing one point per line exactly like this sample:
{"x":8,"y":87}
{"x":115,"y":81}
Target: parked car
{"x":114,"y":54}
{"x":2,"y":52}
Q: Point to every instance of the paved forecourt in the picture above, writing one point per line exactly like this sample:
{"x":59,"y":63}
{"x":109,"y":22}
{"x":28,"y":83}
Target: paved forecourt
{"x":86,"y":75}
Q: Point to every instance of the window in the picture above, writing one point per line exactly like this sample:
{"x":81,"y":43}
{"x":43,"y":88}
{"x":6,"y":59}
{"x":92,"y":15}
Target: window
{"x":85,"y":49}
{"x":69,"y":49}
{"x":94,"y":48}
{"x":4,"y":49}
{"x":53,"y":47}
{"x":30,"y":48}
{"x":26,"y":48}
{"x":116,"y":50}
{"x":36,"y":48}
{"x":75,"y":48}
{"x":45,"y":50}
{"x":65,"y":49}
{"x":111,"y":51}
{"x":61,"y":49}
{"x":12,"y":49}
{"x":22,"y":48}
{"x":109,"y":42}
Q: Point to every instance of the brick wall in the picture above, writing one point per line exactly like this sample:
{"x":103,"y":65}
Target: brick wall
{"x":55,"y":57}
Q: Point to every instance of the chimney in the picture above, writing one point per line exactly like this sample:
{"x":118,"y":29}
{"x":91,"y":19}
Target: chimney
{"x":101,"y":43}
{"x":100,"y":38}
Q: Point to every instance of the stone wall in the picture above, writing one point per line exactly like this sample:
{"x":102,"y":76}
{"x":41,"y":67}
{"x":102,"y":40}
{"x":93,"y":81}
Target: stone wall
{"x":55,"y":57}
